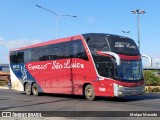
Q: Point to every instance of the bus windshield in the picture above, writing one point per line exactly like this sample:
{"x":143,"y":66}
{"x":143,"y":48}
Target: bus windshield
{"x":129,"y":70}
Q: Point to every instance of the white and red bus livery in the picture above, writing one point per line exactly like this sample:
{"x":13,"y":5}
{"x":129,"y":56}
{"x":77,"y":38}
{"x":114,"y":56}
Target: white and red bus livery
{"x":92,"y":64}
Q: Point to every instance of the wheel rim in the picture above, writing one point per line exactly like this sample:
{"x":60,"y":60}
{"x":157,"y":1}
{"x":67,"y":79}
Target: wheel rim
{"x":35,"y":90}
{"x":28,"y":89}
{"x":89,"y":92}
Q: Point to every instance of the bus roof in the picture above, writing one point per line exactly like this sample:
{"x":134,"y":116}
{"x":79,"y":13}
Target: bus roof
{"x":100,"y":34}
{"x":64,"y":39}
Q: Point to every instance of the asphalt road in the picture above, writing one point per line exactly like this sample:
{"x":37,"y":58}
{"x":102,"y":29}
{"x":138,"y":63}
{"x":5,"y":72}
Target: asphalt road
{"x":11,"y":100}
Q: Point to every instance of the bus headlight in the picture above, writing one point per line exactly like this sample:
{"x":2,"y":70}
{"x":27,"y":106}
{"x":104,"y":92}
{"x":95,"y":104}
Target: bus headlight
{"x":120,"y":86}
{"x":120,"y":93}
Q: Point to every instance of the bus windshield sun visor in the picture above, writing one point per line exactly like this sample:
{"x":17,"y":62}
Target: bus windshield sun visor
{"x":116,"y":56}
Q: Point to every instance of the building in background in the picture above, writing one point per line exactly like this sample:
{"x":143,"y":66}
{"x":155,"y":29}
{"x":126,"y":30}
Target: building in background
{"x":4,"y":72}
{"x":4,"y":67}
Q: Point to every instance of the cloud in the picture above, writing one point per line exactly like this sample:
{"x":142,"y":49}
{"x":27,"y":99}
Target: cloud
{"x":19,"y":43}
{"x":6,"y":45}
{"x":156,"y":61}
{"x":93,"y":25}
{"x":1,"y":39}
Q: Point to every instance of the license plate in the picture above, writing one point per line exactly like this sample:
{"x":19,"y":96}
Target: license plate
{"x":134,"y":92}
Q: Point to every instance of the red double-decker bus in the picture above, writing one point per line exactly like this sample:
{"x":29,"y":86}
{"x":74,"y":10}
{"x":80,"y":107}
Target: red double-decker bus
{"x":92,"y":64}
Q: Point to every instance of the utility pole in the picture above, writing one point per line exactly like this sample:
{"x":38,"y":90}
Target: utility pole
{"x":57,"y":17}
{"x":138,"y":14}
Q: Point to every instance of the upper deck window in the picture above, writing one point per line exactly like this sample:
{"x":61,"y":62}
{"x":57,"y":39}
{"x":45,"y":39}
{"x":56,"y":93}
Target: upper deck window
{"x":123,"y":45}
{"x":64,"y":50}
{"x":97,"y":44}
{"x":113,"y":43}
{"x":17,"y":57}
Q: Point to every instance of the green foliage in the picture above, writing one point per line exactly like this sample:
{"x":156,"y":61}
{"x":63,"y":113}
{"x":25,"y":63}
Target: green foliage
{"x":156,"y":89}
{"x":151,"y":79}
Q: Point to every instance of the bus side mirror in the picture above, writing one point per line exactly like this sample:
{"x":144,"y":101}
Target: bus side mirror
{"x":116,"y":56}
{"x":149,"y":58}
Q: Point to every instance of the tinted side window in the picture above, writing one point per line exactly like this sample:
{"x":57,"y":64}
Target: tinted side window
{"x":13,"y":57}
{"x":97,"y":43}
{"x":35,"y":54}
{"x":17,"y":57}
{"x":104,"y":66}
{"x":47,"y":53}
{"x":27,"y":55}
{"x":59,"y":51}
{"x":20,"y":57}
{"x":68,"y":50}
{"x":65,"y":50}
{"x":78,"y":50}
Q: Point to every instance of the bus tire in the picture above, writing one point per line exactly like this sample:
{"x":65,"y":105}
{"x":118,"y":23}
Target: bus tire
{"x":35,"y":89}
{"x":89,"y":92}
{"x":28,"y":89}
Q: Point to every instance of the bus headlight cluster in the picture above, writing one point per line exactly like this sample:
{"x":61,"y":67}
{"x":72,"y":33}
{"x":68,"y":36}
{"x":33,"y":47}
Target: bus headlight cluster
{"x":120,"y":86}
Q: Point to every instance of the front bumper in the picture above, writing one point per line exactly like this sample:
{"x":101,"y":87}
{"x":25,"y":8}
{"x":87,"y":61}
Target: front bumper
{"x":120,"y":91}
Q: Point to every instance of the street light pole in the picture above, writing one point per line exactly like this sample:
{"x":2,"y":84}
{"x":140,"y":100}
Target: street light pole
{"x":57,"y":17}
{"x":138,"y":30}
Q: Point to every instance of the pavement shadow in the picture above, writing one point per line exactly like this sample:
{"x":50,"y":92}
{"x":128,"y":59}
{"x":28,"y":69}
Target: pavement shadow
{"x":60,"y":95}
{"x":63,"y":96}
{"x":145,"y":96}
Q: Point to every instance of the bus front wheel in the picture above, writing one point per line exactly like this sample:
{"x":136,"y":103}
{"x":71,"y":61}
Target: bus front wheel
{"x":89,"y":92}
{"x":35,"y":89}
{"x":28,"y":89}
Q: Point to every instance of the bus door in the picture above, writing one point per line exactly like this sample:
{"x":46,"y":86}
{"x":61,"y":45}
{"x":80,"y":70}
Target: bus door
{"x":61,"y":68}
{"x":73,"y":64}
{"x":80,"y":67}
{"x":45,"y":80}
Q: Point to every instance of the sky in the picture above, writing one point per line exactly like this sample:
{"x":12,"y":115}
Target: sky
{"x":22,"y":23}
